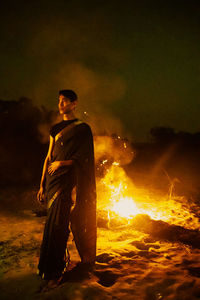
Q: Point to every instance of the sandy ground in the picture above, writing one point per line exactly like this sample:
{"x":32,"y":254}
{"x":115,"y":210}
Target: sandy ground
{"x":136,"y":259}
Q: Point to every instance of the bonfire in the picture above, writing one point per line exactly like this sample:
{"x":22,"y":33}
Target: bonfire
{"x":120,"y":199}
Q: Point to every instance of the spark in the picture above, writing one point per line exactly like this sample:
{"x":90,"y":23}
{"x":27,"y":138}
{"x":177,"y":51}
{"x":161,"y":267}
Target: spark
{"x":104,"y":161}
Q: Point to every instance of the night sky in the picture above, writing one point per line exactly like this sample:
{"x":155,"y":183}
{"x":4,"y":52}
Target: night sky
{"x":133,"y":64}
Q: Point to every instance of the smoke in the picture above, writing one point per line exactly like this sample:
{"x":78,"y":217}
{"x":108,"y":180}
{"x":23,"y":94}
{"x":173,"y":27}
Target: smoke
{"x":114,"y":149}
{"x":74,"y":59}
{"x":95,"y":93}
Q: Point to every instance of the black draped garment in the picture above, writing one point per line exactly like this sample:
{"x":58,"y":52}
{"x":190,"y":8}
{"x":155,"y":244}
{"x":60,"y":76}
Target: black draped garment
{"x":73,"y":141}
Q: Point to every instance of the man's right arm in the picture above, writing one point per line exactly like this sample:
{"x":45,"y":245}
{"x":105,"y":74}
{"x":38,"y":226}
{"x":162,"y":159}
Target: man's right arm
{"x":47,"y":159}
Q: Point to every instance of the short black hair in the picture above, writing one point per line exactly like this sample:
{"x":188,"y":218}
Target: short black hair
{"x":71,"y":95}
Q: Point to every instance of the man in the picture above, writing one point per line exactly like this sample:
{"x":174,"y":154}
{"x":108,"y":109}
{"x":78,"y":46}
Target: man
{"x":69,"y":164}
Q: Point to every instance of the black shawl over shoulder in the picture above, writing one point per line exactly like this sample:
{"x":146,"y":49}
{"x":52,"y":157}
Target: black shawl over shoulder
{"x":75,"y":142}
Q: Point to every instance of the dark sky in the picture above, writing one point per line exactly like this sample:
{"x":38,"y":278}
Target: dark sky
{"x":134,"y":64}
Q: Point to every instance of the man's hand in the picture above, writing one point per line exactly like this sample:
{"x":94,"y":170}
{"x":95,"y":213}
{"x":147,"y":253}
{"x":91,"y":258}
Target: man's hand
{"x":53,"y":167}
{"x":40,"y":195}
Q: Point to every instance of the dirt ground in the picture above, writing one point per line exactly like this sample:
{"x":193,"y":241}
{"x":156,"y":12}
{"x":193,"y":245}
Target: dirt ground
{"x":137,"y":259}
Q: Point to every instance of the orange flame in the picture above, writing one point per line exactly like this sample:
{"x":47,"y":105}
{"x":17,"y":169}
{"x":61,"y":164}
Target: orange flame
{"x":117,"y":194}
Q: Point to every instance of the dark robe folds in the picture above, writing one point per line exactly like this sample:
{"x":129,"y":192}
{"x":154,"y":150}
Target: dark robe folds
{"x":74,"y":142}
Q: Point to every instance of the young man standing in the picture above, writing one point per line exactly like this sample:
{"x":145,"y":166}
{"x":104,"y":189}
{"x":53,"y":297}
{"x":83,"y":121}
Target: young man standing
{"x":69,"y":163}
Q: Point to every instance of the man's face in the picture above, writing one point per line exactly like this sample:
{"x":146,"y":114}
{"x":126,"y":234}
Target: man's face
{"x":65,"y":105}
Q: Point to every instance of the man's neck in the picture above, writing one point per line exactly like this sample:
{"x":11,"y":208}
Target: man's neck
{"x":67,"y":117}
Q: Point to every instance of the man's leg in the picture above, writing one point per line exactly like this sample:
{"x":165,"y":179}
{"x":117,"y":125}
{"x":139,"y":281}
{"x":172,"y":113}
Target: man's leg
{"x":56,"y":233}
